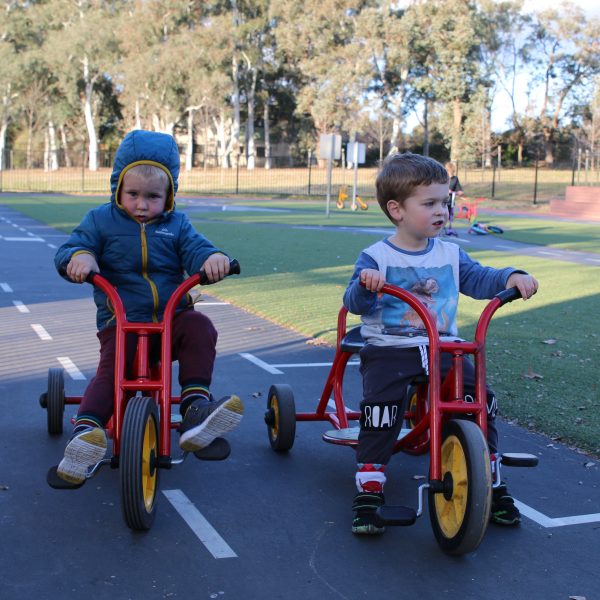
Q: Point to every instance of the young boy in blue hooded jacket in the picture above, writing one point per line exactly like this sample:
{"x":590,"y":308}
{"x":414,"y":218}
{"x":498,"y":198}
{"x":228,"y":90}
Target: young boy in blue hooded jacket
{"x":143,"y":246}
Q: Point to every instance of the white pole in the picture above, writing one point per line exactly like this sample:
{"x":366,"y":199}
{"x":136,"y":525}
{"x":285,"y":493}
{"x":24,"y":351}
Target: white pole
{"x":355,"y":161}
{"x":329,"y":169}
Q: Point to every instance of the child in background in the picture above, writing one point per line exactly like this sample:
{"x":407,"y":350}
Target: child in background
{"x":143,"y":246}
{"x":412,"y":191}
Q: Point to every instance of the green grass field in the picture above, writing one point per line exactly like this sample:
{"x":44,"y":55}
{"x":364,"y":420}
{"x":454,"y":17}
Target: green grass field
{"x":541,"y":352}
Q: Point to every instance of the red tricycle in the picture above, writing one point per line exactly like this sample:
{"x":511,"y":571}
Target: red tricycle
{"x":460,"y":479}
{"x":141,"y":424}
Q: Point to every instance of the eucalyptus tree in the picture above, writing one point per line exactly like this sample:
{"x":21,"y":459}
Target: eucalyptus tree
{"x":567,"y":59}
{"x":390,"y":47}
{"x":452,"y":30}
{"x":318,"y":38}
{"x":153,"y":65}
{"x":514,"y":56}
{"x":84,"y":50}
{"x":18,"y":36}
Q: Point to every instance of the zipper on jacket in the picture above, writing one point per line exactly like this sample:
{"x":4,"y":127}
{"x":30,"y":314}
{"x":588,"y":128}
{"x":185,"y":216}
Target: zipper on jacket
{"x":145,"y":272}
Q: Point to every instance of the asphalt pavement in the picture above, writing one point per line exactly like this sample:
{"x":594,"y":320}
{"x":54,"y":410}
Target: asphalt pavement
{"x":259,"y":525}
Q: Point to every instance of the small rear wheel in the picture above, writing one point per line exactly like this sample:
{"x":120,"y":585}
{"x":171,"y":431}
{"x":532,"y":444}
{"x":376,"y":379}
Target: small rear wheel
{"x":55,"y":400}
{"x":460,"y":514}
{"x":138,"y":463}
{"x":281,"y":417}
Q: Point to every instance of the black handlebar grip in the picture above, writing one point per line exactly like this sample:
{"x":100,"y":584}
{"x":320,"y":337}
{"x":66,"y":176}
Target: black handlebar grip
{"x":506,"y":296}
{"x":234,"y":269}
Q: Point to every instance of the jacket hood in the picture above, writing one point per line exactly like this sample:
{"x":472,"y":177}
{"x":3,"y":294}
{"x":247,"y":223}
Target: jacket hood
{"x":141,"y":147}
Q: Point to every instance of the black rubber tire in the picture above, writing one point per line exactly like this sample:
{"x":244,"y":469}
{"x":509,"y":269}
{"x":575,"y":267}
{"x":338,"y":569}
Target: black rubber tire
{"x":460,"y":516}
{"x":138,"y":463}
{"x":55,"y":400}
{"x":281,"y":409}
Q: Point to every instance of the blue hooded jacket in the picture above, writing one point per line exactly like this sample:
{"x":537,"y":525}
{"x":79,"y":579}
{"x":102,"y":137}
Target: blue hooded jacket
{"x":144,"y":261}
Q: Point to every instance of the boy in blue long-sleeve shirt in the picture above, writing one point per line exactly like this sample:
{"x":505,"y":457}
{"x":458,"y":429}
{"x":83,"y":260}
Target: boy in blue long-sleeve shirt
{"x":412,"y":191}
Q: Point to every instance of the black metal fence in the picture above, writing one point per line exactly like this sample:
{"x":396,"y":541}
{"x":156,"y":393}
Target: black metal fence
{"x":536,"y":183}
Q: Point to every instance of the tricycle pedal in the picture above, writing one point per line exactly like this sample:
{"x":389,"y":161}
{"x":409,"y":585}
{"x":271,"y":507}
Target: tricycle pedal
{"x":58,"y":483}
{"x":518,"y":459}
{"x":218,"y":449}
{"x":395,"y":515}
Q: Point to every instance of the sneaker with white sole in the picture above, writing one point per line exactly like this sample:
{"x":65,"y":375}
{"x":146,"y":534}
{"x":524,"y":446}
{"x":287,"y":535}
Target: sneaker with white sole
{"x":84,"y":450}
{"x":206,"y":420}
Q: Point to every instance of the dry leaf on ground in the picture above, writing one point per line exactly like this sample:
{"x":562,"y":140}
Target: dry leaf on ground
{"x":531,"y":375}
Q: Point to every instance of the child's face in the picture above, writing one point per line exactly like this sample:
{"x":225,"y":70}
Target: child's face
{"x":423,"y":214}
{"x":143,"y":198}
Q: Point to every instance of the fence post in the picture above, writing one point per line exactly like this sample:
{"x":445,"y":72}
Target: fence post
{"x":309,"y":169}
{"x":237,"y":175}
{"x":493,"y":181}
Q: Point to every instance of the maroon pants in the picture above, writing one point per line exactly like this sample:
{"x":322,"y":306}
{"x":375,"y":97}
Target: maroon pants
{"x":194,"y":346}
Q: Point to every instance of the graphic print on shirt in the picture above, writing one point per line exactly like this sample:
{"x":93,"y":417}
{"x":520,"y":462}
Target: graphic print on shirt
{"x":435,"y":287}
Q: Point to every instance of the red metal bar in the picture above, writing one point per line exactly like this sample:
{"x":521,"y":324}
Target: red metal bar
{"x":160,"y":387}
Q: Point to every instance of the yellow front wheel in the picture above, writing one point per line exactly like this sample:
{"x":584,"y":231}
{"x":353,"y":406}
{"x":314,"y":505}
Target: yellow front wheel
{"x":460,"y":514}
{"x":138,"y":463}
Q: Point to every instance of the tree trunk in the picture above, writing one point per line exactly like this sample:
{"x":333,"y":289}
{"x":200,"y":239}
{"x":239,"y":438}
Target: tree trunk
{"x":3,"y":130}
{"x":426,"y":128}
{"x":6,"y":102}
{"x":223,"y":146}
{"x":138,"y":118}
{"x":53,"y":151}
{"x":250,"y":147}
{"x":548,"y":146}
{"x":89,"y":117}
{"x":65,"y":145}
{"x":455,"y":148}
{"x":235,"y":73}
{"x":29,"y":157}
{"x":396,"y":127}
{"x":267,"y":135}
{"x":46,"y":151}
{"x":189,"y":148}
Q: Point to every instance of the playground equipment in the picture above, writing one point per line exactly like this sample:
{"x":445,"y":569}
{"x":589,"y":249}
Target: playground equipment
{"x":343,"y":196}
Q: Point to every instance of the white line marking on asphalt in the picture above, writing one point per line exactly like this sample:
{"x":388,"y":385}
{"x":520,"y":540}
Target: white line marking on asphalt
{"x":42,"y":333}
{"x":550,"y":253}
{"x":70,"y":368}
{"x":261,"y":363}
{"x":6,"y":288}
{"x":214,"y":304}
{"x":51,"y":246}
{"x":331,"y":404}
{"x":323,"y":364}
{"x":20,"y":306}
{"x":596,"y":260}
{"x":503,"y":247}
{"x":205,"y":532}
{"x":24,"y":239}
{"x":545,"y":521}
